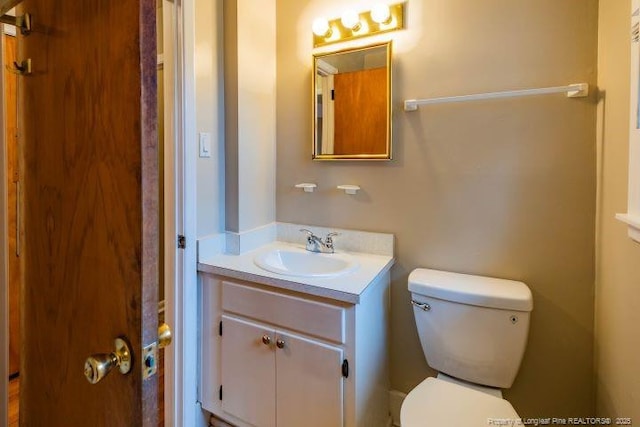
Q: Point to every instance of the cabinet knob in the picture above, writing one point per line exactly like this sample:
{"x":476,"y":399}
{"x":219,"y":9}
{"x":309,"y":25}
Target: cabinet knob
{"x":266,"y":339}
{"x":280,"y":343}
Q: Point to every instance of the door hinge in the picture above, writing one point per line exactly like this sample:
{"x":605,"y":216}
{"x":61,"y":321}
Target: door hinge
{"x":345,"y":368}
{"x":182,"y":241}
{"x":220,"y":393}
{"x":333,"y":94}
{"x":220,"y":328}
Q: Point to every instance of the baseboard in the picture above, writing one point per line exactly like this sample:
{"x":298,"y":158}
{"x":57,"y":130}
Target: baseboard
{"x":395,"y":403}
{"x":217,"y":422}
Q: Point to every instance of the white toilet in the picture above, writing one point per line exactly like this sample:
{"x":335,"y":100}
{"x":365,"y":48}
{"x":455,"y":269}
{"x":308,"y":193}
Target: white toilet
{"x":473,"y":331}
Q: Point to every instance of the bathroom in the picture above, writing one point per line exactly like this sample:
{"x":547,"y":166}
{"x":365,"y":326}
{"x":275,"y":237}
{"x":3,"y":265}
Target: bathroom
{"x":490,"y":188}
{"x":522,"y":188}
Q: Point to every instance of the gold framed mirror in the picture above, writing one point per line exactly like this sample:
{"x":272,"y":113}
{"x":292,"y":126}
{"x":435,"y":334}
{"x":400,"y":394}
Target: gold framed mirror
{"x":352,"y":104}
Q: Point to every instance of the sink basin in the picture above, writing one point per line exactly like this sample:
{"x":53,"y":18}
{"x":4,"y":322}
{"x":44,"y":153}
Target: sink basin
{"x":290,"y":262}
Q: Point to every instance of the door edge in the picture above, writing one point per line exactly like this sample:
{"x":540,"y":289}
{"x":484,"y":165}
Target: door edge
{"x":181,"y":392}
{"x":4,"y":261}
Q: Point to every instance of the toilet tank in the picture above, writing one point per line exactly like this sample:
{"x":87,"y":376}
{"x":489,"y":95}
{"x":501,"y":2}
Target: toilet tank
{"x":471,"y":327}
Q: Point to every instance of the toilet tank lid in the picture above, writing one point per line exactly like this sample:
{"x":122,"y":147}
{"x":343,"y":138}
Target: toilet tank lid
{"x":473,"y":290}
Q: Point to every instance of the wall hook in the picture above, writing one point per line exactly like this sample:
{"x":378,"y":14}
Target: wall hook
{"x":24,"y":22}
{"x":21,"y":68}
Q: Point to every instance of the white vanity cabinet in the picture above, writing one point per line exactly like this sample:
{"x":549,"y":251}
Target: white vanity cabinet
{"x":283,"y":358}
{"x":269,"y":375}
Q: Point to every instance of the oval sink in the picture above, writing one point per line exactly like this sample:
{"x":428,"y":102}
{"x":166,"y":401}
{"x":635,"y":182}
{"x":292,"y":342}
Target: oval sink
{"x":305,"y":264}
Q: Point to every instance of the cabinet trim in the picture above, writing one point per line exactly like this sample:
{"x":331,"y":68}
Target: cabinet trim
{"x":303,"y":315}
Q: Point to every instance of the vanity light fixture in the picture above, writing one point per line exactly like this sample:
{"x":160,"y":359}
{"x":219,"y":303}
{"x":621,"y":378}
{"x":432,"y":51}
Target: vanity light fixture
{"x":321,"y":28}
{"x":352,"y":25}
{"x":350,"y":19}
{"x":381,"y":14}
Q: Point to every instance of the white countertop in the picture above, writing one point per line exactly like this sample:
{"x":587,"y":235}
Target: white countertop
{"x":346,"y":287}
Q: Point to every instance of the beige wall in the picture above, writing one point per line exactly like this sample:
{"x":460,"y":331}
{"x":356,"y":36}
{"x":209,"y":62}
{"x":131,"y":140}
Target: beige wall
{"x":503,"y":188}
{"x":209,"y":116}
{"x":618,"y":274}
{"x":250,"y":75}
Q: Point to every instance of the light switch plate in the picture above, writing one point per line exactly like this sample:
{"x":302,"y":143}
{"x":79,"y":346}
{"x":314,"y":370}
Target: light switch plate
{"x":205,"y":144}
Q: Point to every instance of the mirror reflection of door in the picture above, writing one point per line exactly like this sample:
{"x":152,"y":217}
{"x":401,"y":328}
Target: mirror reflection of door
{"x":352,"y":104}
{"x":325,"y":105}
{"x":360,"y":112}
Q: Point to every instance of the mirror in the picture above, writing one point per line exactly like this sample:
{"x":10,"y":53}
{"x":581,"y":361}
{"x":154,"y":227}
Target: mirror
{"x":352,"y":104}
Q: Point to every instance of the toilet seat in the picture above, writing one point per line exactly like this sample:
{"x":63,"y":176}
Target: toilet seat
{"x":435,"y":403}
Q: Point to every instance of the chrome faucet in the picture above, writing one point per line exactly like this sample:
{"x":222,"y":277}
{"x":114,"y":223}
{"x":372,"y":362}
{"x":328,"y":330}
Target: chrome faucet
{"x":316,"y":244}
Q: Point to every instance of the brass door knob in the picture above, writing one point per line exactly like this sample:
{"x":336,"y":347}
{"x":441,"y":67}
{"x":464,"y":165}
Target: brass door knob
{"x":98,"y":366}
{"x":164,"y":335}
{"x":266,"y":339}
{"x":280,"y":343}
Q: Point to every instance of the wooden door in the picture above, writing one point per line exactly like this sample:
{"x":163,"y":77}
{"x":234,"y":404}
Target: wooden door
{"x":358,"y":95}
{"x":13,"y":188}
{"x":309,"y":383}
{"x":89,"y":171}
{"x":248,"y":372}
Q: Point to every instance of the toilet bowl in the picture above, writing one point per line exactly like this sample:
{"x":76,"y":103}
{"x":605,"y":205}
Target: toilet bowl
{"x":473,"y":331}
{"x":437,"y":402}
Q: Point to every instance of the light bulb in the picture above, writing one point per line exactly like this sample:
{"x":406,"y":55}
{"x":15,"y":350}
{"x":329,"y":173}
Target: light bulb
{"x":350,"y":19}
{"x":380,"y":13}
{"x":321,"y":27}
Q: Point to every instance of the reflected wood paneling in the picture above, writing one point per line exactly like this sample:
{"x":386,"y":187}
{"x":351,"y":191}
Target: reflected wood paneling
{"x":360,"y":112}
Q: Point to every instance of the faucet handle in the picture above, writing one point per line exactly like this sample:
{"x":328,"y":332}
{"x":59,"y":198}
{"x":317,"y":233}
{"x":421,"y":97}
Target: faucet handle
{"x":310,"y":235}
{"x":329,"y":238}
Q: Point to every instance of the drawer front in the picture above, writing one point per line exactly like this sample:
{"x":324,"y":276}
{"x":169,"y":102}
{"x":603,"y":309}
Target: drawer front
{"x":309,"y":317}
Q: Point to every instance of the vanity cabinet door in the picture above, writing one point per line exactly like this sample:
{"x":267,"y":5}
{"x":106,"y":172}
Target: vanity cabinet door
{"x":248,"y":374}
{"x":309,"y":382}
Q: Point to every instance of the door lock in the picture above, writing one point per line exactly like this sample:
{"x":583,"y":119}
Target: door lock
{"x":150,"y":352}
